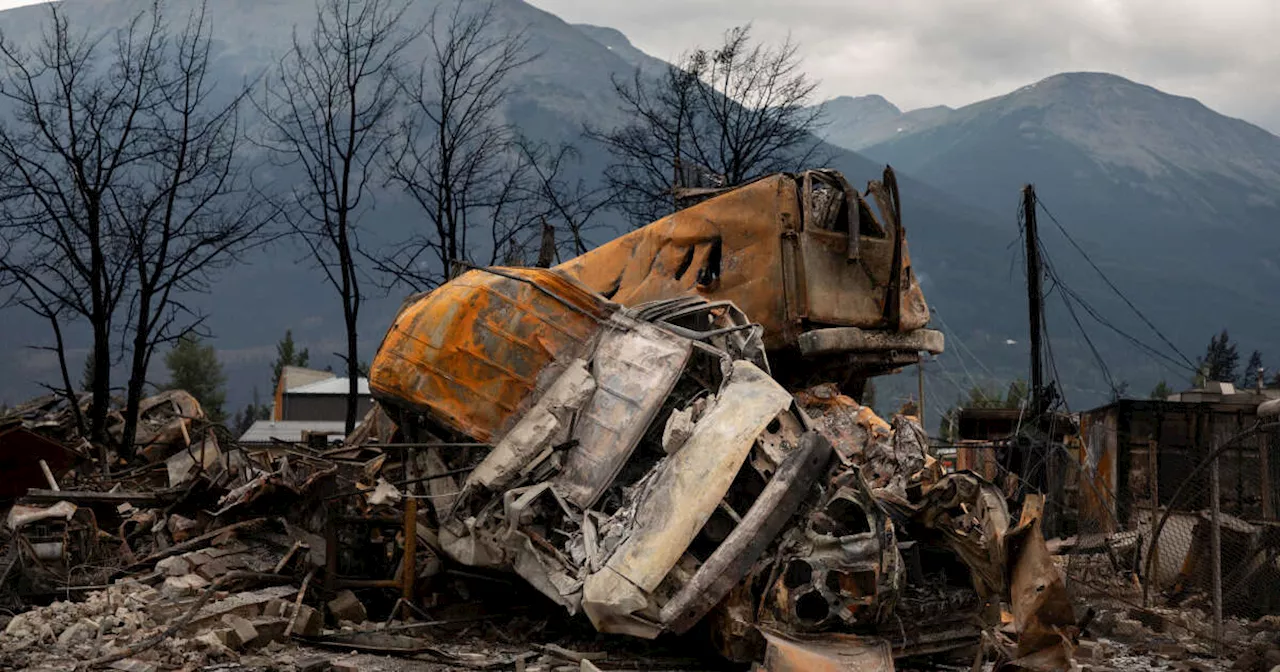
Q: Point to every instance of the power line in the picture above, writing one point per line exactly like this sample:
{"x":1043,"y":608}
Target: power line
{"x":956,"y":337}
{"x":1138,"y":343}
{"x":1112,"y":285}
{"x":1069,"y":294}
{"x":1066,"y":301}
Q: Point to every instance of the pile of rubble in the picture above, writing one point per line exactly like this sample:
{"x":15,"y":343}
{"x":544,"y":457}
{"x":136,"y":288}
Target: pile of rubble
{"x":538,"y":452}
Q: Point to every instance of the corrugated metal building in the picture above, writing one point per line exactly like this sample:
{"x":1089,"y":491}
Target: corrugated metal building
{"x":308,"y":402}
{"x":323,"y":400}
{"x":1137,"y":453}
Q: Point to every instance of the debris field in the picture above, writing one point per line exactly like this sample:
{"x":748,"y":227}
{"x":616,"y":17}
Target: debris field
{"x":650,"y":457}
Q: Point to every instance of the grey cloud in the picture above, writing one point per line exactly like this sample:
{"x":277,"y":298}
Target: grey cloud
{"x":919,"y":53}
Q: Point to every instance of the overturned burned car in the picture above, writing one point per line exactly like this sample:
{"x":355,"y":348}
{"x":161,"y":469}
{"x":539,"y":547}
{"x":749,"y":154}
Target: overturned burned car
{"x":642,"y":464}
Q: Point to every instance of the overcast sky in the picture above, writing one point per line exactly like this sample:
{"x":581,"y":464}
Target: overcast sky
{"x":918,"y":53}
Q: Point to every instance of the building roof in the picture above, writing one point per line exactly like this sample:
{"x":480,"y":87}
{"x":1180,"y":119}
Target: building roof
{"x":330,"y":386}
{"x":266,"y":431}
{"x":297,"y":376}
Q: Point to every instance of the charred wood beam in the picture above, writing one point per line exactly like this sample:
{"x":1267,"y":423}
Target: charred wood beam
{"x":158,"y":498}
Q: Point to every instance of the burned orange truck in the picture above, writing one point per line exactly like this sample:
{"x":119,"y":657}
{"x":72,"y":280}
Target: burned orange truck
{"x":619,"y":432}
{"x":824,"y":271}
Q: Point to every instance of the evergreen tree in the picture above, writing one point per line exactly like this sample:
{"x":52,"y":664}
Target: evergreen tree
{"x":87,"y":373}
{"x":1249,"y":376}
{"x":250,"y":414}
{"x":978,"y":396}
{"x":287,"y":354}
{"x":1161,"y":391}
{"x":1219,"y":362}
{"x":195,"y":368}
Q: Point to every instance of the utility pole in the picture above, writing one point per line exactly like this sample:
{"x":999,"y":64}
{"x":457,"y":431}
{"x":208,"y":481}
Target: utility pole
{"x":1039,"y":452}
{"x":1034,"y":295}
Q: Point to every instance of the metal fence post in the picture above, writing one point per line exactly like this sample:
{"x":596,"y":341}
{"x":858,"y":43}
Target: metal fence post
{"x":1215,"y":543}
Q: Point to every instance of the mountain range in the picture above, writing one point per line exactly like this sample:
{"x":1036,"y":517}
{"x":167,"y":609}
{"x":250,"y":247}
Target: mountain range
{"x":1174,"y":202}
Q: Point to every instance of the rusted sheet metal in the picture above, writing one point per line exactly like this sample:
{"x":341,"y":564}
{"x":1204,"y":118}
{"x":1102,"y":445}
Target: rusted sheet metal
{"x":541,"y":428}
{"x":830,"y":652}
{"x":1096,"y":449}
{"x":973,"y":518}
{"x":679,"y":499}
{"x":471,"y":352}
{"x":842,"y":568}
{"x":634,"y":370}
{"x":1043,"y":617}
{"x":667,"y":258}
{"x":853,"y":339}
{"x":755,"y":246}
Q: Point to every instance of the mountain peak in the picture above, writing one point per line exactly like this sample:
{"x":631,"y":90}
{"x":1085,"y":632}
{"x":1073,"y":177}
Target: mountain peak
{"x":873,"y":105}
{"x":1087,"y":78}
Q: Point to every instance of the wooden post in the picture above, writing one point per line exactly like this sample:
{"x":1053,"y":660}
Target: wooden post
{"x":1215,"y":543}
{"x":410,"y":562}
{"x":1264,"y":479}
{"x":48,"y":476}
{"x":330,"y":553}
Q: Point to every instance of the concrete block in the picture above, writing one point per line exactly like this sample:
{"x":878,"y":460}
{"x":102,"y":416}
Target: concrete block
{"x":174,"y":566}
{"x":188,"y":585}
{"x":1129,"y":629}
{"x":214,"y":568}
{"x":347,"y":607}
{"x":307,"y":622}
{"x":276,"y":608}
{"x":245,"y":605}
{"x":269,"y":629}
{"x":243,"y":631}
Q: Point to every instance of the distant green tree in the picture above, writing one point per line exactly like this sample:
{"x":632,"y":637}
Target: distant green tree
{"x":980,"y":396}
{"x":250,"y":414}
{"x":1249,"y":376}
{"x":287,"y":354}
{"x":1017,"y":394}
{"x":195,"y":368}
{"x":1120,"y":391}
{"x":1219,"y":362}
{"x":87,"y":373}
{"x":1161,"y":391}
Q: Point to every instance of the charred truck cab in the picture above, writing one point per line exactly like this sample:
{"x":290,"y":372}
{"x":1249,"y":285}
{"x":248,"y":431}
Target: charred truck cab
{"x":807,"y":256}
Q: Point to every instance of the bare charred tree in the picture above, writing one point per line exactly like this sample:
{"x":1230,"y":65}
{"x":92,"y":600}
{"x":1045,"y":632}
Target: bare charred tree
{"x":718,"y":117}
{"x":26,"y":288}
{"x":75,"y":133}
{"x":562,"y":202}
{"x":190,"y":209}
{"x":121,"y":188}
{"x":330,"y":108}
{"x":457,"y":158}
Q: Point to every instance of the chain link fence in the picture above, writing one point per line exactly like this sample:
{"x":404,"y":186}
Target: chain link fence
{"x":1130,"y":515}
{"x":1172,"y":516}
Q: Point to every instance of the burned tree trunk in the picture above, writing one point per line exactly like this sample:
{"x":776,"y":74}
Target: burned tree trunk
{"x":328,"y":109}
